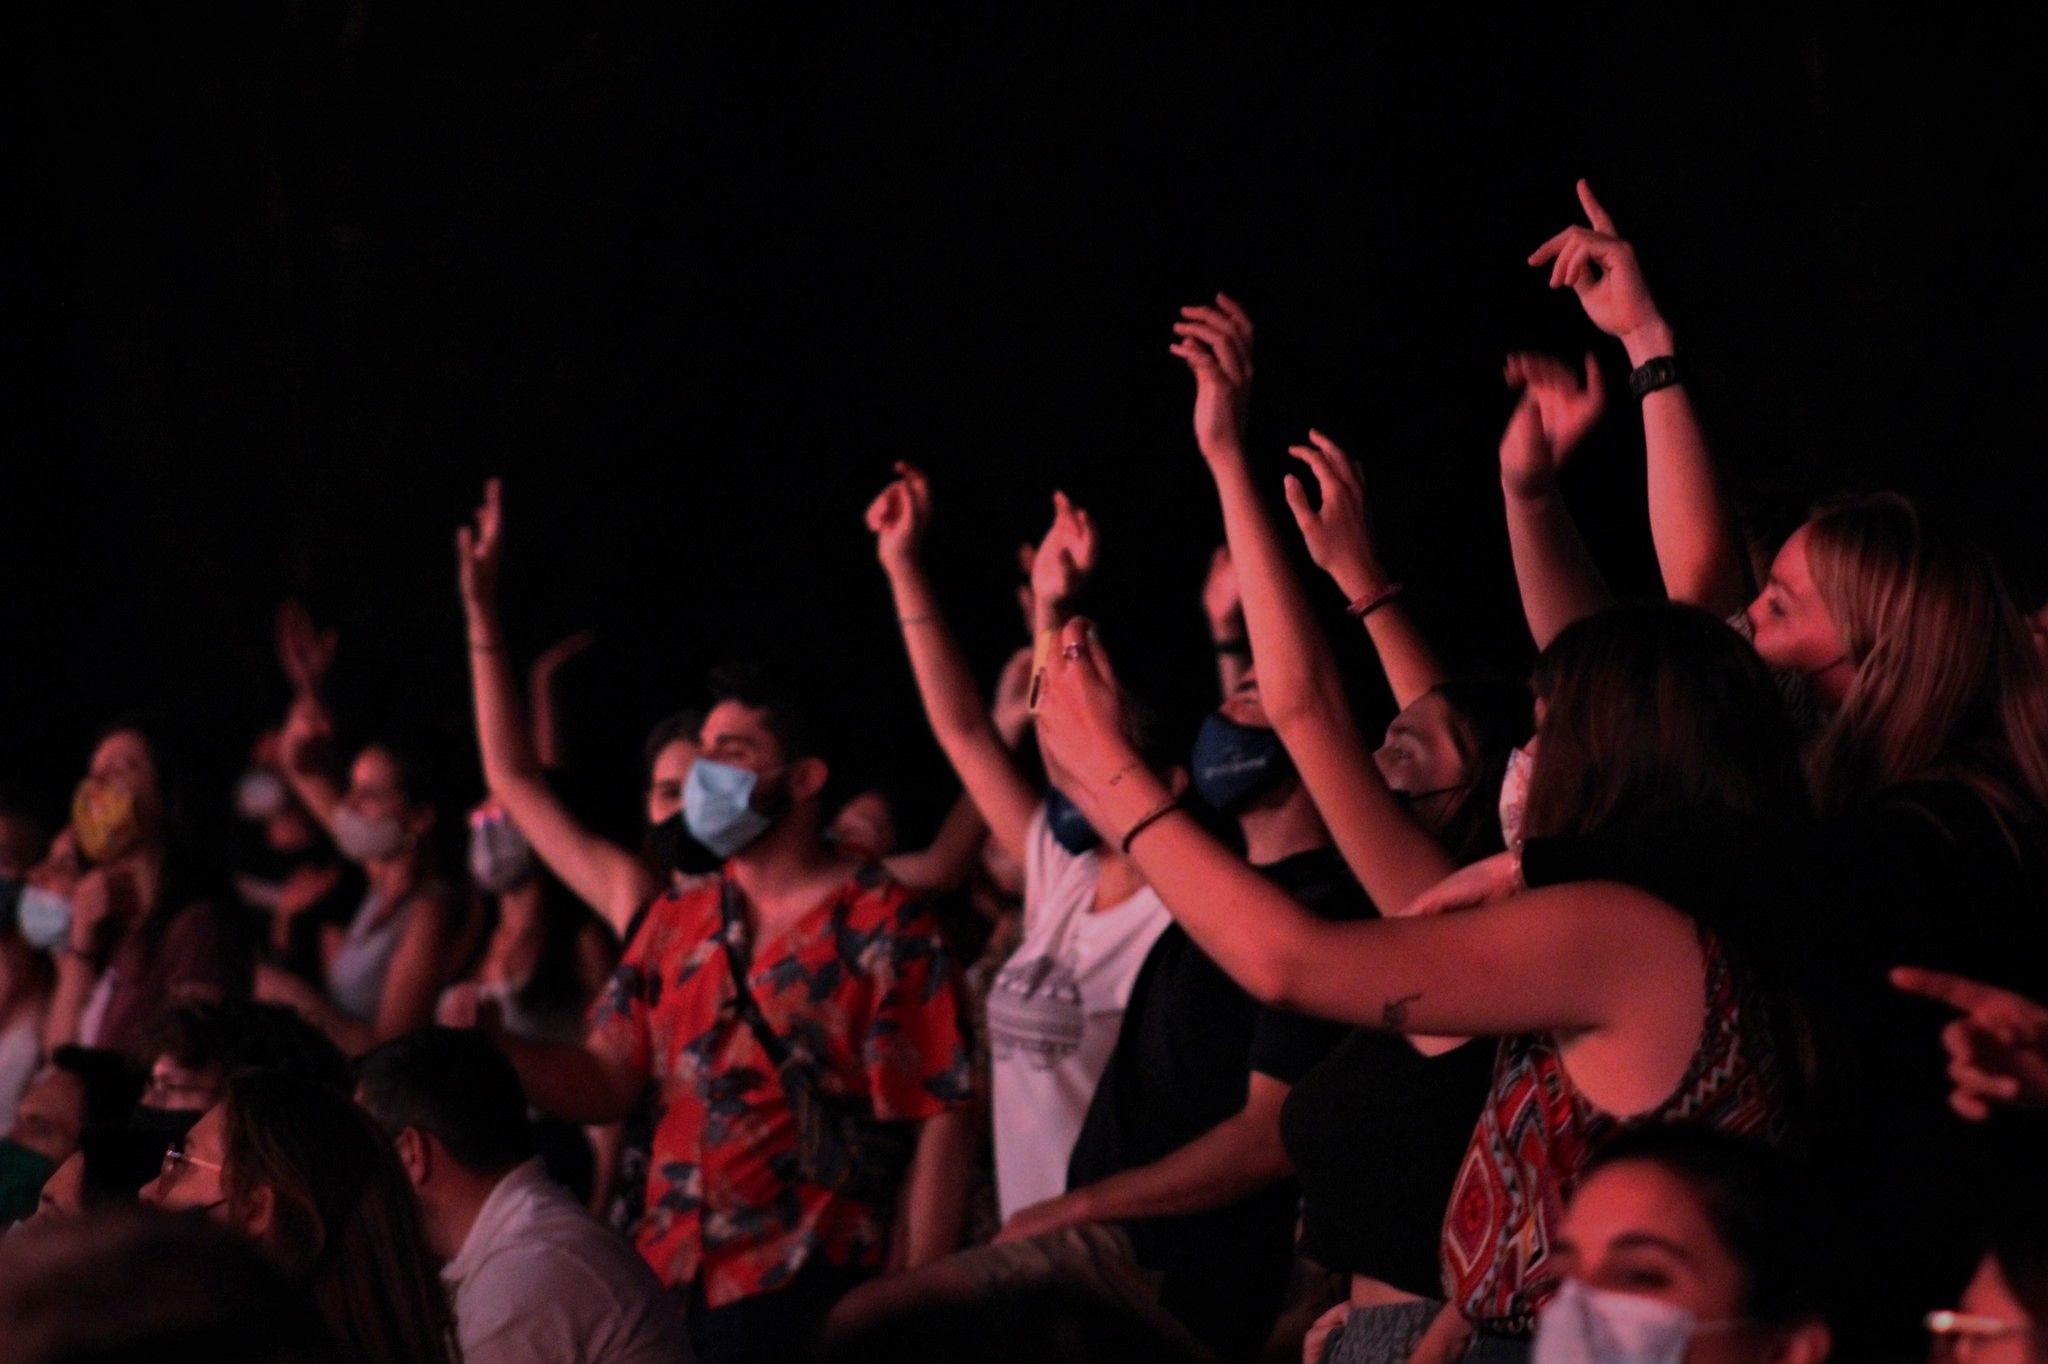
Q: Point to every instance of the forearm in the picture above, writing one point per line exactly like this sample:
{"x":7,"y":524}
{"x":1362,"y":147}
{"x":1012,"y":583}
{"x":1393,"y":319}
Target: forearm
{"x":605,"y":876}
{"x":1239,"y":1156}
{"x":76,"y":976}
{"x":501,"y":722}
{"x":1557,"y":578}
{"x":1393,"y":856}
{"x":945,"y":684}
{"x":948,"y":861}
{"x":1698,"y":549}
{"x":1296,"y":672}
{"x":933,"y":1206}
{"x":1411,"y":666}
{"x":570,"y":1082}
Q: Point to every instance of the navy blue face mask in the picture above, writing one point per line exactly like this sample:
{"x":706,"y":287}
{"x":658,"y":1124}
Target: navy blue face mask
{"x":1068,"y":826}
{"x":1236,"y":763}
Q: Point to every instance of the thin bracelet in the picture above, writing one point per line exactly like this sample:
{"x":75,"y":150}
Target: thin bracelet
{"x":1149,"y":818}
{"x":487,"y":646}
{"x":924,"y":619}
{"x":1366,"y":605}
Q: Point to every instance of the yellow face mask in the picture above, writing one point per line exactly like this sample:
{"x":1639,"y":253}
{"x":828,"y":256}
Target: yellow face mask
{"x":107,"y":819}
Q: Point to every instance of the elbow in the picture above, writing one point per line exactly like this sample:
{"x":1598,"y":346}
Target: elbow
{"x":1275,"y":977}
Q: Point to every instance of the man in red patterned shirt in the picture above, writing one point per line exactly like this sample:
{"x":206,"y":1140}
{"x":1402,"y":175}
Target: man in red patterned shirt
{"x":848,"y":977}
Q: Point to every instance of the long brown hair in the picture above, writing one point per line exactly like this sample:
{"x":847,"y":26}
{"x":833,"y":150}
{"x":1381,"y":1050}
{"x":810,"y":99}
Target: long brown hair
{"x":1656,"y":709}
{"x":344,"y":1218}
{"x":1947,"y":680}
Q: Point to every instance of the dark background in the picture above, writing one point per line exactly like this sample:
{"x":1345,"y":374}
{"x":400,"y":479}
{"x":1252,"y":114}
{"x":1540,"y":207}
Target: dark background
{"x":286,"y":281}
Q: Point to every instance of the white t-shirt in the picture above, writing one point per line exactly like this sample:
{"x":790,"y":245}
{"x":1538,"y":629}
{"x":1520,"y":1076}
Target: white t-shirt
{"x":540,"y":1281}
{"x":1053,"y":1013}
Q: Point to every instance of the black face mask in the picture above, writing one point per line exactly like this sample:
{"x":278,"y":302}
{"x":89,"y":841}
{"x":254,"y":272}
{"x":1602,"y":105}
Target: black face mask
{"x":671,"y":850}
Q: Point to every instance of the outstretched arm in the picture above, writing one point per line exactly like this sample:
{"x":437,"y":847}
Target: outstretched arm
{"x":603,"y":875}
{"x":1562,"y":958}
{"x":1393,"y":857}
{"x":952,"y":703}
{"x":1697,"y":547}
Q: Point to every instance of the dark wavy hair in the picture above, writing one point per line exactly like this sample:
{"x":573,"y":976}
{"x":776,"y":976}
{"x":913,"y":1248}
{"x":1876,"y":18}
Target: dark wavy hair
{"x":1658,"y":709}
{"x":344,"y":1219}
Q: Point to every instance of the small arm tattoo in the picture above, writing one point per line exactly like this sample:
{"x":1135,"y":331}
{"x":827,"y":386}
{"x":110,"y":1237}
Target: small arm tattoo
{"x":1395,"y":1012}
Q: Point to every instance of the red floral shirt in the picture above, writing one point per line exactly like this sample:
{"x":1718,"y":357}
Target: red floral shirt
{"x":861,"y":987}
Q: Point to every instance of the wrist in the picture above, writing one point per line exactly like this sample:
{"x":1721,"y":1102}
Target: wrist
{"x":1222,"y":450}
{"x":1359,"y":578}
{"x":1223,"y":629}
{"x":1647,"y":341}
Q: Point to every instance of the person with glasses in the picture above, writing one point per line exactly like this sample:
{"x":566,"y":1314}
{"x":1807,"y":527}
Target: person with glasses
{"x":2002,"y":1315}
{"x":308,"y":1176}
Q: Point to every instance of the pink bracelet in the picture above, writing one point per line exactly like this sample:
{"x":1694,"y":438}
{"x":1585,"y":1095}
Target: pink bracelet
{"x":1365,"y":606}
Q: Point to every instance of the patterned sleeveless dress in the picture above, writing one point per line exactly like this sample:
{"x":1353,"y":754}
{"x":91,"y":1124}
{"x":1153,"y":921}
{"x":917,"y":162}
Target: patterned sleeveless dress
{"x":1537,"y":1133}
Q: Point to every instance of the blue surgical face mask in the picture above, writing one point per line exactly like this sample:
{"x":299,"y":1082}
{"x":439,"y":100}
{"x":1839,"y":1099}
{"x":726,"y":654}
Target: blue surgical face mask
{"x":1587,"y":1325}
{"x":1067,"y":825}
{"x":718,"y":806}
{"x":500,"y":858}
{"x":45,"y":918}
{"x":1236,"y":763}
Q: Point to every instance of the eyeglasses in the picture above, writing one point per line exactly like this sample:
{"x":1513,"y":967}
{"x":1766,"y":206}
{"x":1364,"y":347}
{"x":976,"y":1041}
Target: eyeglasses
{"x":176,"y":1159}
{"x":1959,"y":1335}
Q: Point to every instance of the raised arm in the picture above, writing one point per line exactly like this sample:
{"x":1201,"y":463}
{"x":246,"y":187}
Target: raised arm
{"x":1557,"y":577}
{"x":1565,"y":958}
{"x":306,"y":654}
{"x":949,"y":860}
{"x":952,"y":703}
{"x":603,"y":875}
{"x":548,"y":747}
{"x":1393,"y":857}
{"x":1697,"y":547}
{"x":1338,"y":532}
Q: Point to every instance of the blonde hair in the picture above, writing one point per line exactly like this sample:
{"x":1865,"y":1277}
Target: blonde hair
{"x":1947,"y":682}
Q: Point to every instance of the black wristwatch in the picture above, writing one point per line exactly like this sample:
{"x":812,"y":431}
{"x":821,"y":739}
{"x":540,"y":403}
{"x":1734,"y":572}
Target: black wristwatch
{"x":1659,"y":371}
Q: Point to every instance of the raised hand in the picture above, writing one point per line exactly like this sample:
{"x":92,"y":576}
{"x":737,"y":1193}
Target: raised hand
{"x":1011,"y":710}
{"x":1065,"y":558}
{"x":1595,"y":263}
{"x":1997,"y":1050}
{"x":1337,"y":529}
{"x":1216,"y":343}
{"x":480,"y":550}
{"x":899,"y":516}
{"x":1557,"y":409}
{"x":1080,"y":717}
{"x":308,"y":735}
{"x":303,"y":652}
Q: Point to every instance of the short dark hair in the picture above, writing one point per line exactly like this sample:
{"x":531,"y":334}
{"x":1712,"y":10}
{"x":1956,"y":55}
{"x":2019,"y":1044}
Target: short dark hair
{"x":243,"y":1034}
{"x":113,"y":1085}
{"x":684,"y":724}
{"x":1752,"y":1195}
{"x":785,"y":714}
{"x":455,"y":1085}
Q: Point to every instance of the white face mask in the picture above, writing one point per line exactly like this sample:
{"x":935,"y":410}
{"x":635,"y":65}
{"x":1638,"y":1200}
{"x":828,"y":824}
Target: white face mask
{"x":1514,"y":795}
{"x":362,"y":839}
{"x":1586,"y":1325}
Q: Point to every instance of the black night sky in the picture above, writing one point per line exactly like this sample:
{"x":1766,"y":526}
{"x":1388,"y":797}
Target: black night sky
{"x":285,"y":281}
